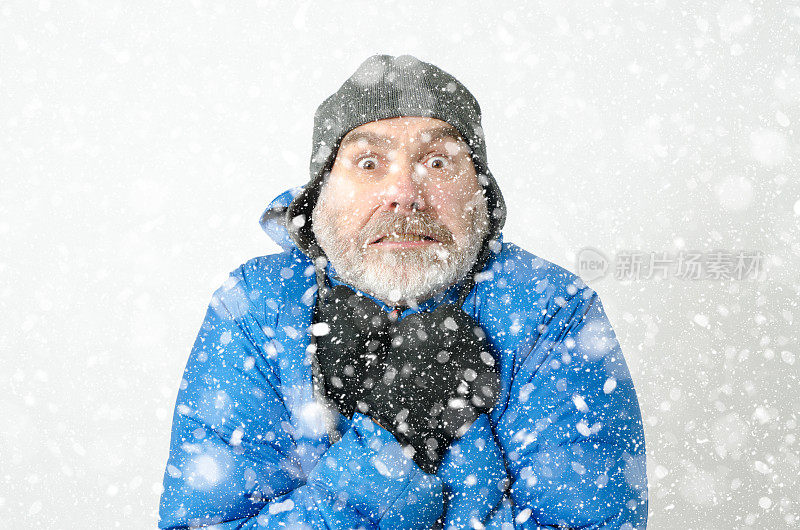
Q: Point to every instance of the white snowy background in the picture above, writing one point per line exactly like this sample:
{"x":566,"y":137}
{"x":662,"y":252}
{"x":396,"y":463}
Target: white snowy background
{"x":140,"y":142}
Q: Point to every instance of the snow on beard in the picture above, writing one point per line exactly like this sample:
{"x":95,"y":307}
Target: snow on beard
{"x":410,"y":275}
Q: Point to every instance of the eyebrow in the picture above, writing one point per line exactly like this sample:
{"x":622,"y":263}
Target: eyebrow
{"x":435,"y":134}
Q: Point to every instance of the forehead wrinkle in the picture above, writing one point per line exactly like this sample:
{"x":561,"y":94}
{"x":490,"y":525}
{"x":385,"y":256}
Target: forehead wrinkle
{"x":370,"y":137}
{"x":425,"y":136}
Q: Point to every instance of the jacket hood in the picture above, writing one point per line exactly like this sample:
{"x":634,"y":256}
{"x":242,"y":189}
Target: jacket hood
{"x":273,"y":220}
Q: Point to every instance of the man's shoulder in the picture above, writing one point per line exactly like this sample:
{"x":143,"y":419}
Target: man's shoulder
{"x":278,"y":263}
{"x":515,"y":266}
{"x":270,"y":274}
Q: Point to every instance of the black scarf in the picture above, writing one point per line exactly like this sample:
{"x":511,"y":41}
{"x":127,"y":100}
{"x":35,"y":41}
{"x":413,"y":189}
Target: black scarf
{"x":425,"y":377}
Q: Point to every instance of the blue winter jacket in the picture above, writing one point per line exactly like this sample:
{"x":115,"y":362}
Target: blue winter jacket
{"x":563,"y":448}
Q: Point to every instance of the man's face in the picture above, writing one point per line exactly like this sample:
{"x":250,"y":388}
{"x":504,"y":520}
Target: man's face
{"x":402,"y":215}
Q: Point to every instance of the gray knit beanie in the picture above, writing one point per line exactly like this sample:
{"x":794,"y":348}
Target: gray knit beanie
{"x":388,"y":87}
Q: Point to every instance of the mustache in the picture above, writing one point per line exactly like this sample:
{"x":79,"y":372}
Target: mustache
{"x":420,"y":223}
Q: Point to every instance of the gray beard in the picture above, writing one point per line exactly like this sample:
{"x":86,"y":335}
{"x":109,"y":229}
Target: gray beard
{"x":409,"y":276}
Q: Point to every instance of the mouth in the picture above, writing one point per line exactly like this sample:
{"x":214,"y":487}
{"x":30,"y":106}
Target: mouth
{"x":404,"y":239}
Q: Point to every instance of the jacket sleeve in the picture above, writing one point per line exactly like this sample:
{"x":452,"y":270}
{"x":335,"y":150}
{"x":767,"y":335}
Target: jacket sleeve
{"x":233,"y":461}
{"x":473,"y":476}
{"x":571,"y":431}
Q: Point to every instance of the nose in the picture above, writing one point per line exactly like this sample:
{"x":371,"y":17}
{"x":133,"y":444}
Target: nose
{"x":404,"y":190}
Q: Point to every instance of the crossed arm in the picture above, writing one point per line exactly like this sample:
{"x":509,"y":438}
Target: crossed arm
{"x":565,"y":449}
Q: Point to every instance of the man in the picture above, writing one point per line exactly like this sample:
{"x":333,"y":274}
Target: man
{"x":399,"y":365}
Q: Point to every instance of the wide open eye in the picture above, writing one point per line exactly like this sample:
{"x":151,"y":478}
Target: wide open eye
{"x":367,"y":163}
{"x":437,"y":162}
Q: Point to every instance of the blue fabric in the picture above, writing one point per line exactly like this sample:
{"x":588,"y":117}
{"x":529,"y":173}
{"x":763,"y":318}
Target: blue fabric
{"x":564,"y":447}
